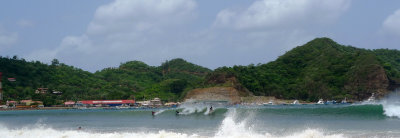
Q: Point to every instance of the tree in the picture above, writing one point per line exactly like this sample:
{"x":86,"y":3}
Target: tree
{"x":55,"y":62}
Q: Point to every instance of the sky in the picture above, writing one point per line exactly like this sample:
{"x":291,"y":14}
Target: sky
{"x":96,"y":34}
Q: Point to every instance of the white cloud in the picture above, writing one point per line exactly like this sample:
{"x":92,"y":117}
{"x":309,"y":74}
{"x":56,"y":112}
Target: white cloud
{"x":391,"y":25}
{"x":268,"y":28}
{"x":278,"y":14}
{"x":7,"y":38}
{"x":154,"y":31}
{"x":126,"y":30}
{"x":125,"y":16}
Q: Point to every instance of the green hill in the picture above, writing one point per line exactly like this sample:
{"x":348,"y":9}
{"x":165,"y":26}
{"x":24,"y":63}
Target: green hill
{"x":74,"y":83}
{"x":322,"y":69}
{"x":133,"y":79}
{"x":168,"y":81}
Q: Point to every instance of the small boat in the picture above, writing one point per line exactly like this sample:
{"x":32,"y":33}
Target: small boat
{"x":269,"y":103}
{"x":371,"y":99}
{"x":344,"y":101}
{"x":122,"y":107}
{"x":83,"y":107}
{"x":330,"y":102}
{"x":320,"y":101}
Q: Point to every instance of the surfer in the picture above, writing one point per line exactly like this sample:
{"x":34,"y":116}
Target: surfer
{"x":79,"y":128}
{"x":177,"y":112}
{"x":211,"y":109}
{"x":153,"y":113}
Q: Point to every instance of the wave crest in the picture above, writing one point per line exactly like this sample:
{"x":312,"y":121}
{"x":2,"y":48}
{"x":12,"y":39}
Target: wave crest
{"x":228,"y":128}
{"x":391,"y":104}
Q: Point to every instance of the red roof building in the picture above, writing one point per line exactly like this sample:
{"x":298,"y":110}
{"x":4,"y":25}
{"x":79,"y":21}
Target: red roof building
{"x":107,"y":102}
{"x":69,"y":103}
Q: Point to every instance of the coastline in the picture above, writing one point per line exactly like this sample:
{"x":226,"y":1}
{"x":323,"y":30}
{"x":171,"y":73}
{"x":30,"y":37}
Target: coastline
{"x":249,"y":100}
{"x":36,"y":108}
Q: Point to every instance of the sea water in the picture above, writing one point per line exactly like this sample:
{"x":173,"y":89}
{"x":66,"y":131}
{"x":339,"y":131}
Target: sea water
{"x":287,"y":121}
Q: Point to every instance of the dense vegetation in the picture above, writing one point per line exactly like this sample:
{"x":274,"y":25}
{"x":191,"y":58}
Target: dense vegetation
{"x":319,"y":69}
{"x":390,"y":60}
{"x":130,"y":80}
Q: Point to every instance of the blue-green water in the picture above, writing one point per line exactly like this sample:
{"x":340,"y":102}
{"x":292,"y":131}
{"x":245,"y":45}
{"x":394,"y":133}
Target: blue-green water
{"x":380,"y":120}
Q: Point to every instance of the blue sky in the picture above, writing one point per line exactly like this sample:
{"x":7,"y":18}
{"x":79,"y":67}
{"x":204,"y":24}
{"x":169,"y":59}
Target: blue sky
{"x":94,"y":34}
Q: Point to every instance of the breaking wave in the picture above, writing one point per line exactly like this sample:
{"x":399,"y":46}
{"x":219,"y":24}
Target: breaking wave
{"x":392,"y":110}
{"x":226,"y":132}
{"x":228,"y":128}
{"x":391,"y":105}
{"x":192,"y":107}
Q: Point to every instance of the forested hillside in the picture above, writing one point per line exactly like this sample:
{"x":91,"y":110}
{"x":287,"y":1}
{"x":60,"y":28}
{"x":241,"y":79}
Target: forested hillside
{"x":130,"y":80}
{"x":168,"y":81}
{"x":320,"y":68}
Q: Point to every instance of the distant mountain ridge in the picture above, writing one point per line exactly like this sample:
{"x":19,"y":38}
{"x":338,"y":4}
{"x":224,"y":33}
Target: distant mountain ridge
{"x":320,"y":68}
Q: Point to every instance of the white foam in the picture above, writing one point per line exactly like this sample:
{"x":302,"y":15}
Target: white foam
{"x":229,"y":128}
{"x":159,"y":111}
{"x":391,"y":109}
{"x":193,"y":107}
{"x":391,"y":105}
{"x":51,"y":133}
{"x":313,"y":133}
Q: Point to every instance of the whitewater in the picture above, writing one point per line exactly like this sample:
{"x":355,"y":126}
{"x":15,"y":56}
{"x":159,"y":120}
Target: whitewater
{"x":380,"y":119}
{"x":228,"y":128}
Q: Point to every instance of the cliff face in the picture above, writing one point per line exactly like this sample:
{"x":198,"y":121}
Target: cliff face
{"x":229,"y":94}
{"x":371,"y":79}
{"x":226,"y":79}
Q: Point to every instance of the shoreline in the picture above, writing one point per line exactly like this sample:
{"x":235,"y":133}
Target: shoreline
{"x":36,"y":108}
{"x":77,"y":108}
{"x":250,"y":100}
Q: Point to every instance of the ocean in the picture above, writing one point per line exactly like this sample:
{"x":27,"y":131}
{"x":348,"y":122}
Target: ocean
{"x":196,"y":121}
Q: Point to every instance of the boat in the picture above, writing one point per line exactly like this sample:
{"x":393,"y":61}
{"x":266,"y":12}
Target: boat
{"x":122,"y":107}
{"x":83,"y":107}
{"x":344,"y":101}
{"x":269,"y":103}
{"x":330,"y":102}
{"x":295,"y":102}
{"x":371,"y":99}
{"x":320,"y":101}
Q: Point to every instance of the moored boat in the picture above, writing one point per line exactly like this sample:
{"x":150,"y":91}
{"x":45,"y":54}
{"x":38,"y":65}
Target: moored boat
{"x":320,"y":101}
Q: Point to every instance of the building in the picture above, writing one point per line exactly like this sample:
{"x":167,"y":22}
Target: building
{"x":30,"y":102}
{"x":57,"y":92}
{"x":41,"y":90}
{"x":171,"y":104}
{"x":156,"y":102}
{"x":103,"y":103}
{"x":143,"y":103}
{"x":11,"y":103}
{"x":69,"y":103}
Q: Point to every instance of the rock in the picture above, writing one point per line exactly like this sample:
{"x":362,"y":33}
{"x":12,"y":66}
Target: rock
{"x":229,"y":94}
{"x":371,"y":79}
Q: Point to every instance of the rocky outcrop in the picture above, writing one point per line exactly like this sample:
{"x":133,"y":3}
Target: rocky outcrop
{"x":229,"y":94}
{"x":371,"y":79}
{"x":223,"y":79}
